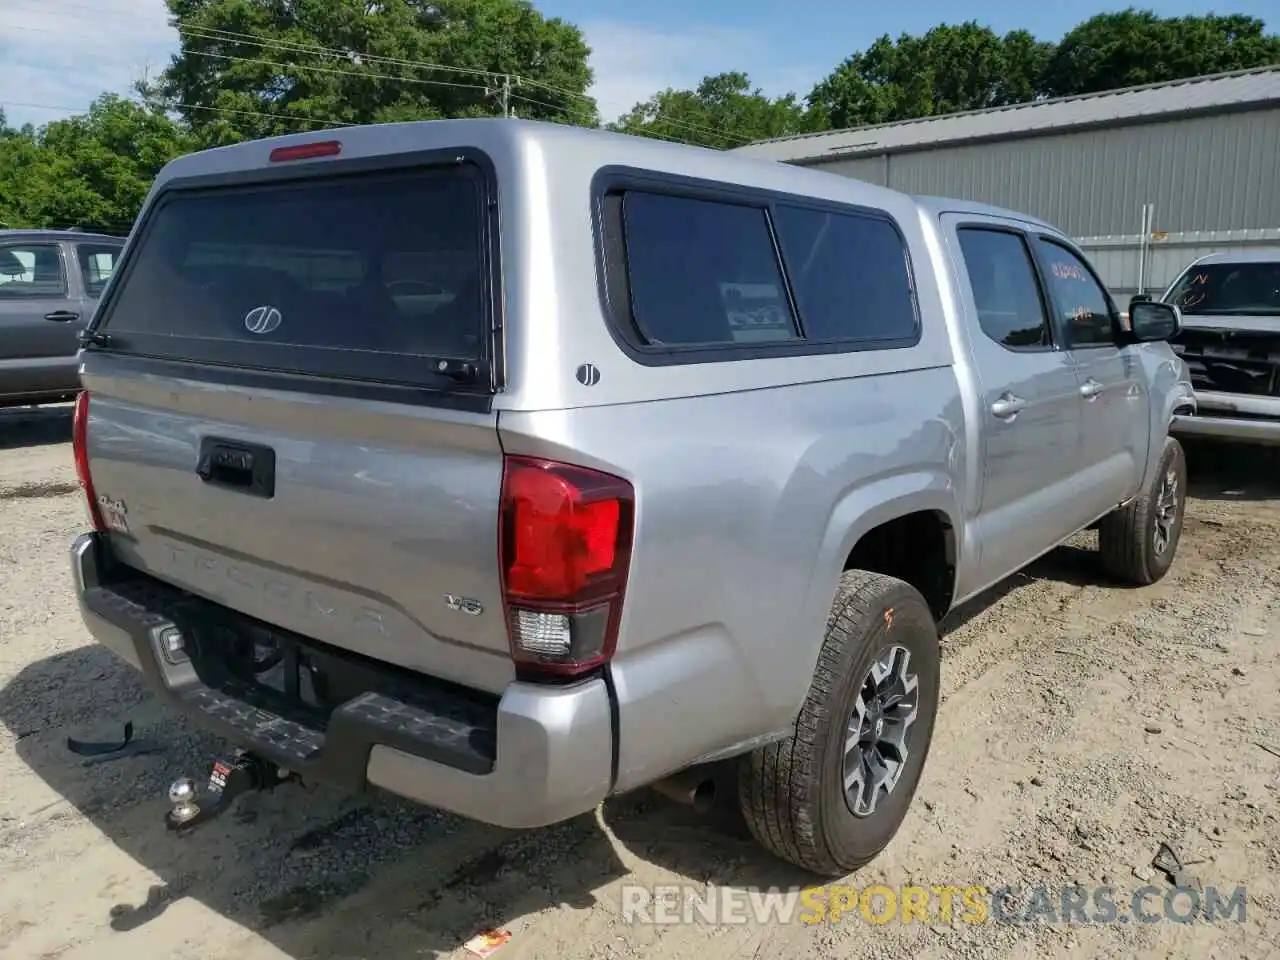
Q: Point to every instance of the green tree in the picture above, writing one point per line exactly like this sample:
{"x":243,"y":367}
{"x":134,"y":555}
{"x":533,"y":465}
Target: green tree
{"x":91,"y":171}
{"x":1134,"y":46}
{"x":724,"y":111}
{"x":16,"y":153}
{"x":255,"y":68}
{"x":952,"y":67}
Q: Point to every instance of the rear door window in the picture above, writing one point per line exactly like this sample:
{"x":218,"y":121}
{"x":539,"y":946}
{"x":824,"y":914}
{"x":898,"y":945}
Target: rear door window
{"x":97,"y":263}
{"x":370,"y":277}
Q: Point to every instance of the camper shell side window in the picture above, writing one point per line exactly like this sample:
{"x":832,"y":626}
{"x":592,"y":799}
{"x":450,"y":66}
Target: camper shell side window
{"x":695,"y":272}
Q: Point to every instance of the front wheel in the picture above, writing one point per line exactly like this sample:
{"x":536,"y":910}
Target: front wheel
{"x":830,"y":797}
{"x":1138,"y":542}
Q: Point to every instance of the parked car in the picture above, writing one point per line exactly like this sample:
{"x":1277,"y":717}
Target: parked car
{"x":50,"y":282}
{"x":1230,"y":303}
{"x":686,"y":470}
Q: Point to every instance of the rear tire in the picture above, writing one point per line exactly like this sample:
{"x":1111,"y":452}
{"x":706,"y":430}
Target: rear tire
{"x":792,"y":793}
{"x":1139,"y":541}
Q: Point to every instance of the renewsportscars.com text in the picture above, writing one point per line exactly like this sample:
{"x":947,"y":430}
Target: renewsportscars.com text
{"x":945,"y":904}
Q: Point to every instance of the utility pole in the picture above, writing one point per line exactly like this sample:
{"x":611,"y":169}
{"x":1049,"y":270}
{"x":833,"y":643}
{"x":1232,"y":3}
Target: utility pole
{"x":503,"y":93}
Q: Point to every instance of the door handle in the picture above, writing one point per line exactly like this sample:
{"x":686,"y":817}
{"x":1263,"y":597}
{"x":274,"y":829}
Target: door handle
{"x":247,"y":467}
{"x":1090,"y":389}
{"x":61,"y":316}
{"x":1007,"y":407}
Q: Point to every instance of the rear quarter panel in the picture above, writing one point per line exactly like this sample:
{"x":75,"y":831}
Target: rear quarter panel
{"x":754,"y":477}
{"x":747,"y":506}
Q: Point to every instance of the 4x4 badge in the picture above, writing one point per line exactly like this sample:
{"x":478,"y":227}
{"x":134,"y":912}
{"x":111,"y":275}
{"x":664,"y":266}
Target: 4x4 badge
{"x":472,"y":608}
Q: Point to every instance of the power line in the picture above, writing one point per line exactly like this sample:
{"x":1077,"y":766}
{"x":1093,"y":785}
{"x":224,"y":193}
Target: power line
{"x":650,"y":134}
{"x":333,"y":70}
{"x":250,"y":40}
{"x":62,"y":108}
{"x":210,"y":33}
{"x":324,"y":122}
{"x":503,"y":91}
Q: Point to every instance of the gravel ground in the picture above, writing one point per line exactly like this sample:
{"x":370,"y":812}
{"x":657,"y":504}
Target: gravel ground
{"x":1082,"y":725}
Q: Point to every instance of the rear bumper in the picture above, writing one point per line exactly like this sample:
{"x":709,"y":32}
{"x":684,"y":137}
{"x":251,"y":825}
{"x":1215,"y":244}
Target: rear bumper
{"x":536,"y":756}
{"x":1229,"y":416}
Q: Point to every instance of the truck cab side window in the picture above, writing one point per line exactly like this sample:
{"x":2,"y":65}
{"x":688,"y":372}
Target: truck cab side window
{"x":1082,"y":304}
{"x":1005,"y":290}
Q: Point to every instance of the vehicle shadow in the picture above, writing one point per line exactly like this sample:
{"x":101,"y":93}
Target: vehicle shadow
{"x":1232,"y":471}
{"x":715,"y":847}
{"x":324,"y":875}
{"x":1075,"y":562}
{"x":34,"y":426}
{"x":316,"y":873}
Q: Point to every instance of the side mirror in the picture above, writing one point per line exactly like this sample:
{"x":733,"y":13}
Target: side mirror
{"x":1151,"y":320}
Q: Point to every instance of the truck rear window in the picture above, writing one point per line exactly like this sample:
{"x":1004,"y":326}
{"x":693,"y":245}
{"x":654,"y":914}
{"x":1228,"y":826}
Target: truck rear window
{"x":362,"y":277}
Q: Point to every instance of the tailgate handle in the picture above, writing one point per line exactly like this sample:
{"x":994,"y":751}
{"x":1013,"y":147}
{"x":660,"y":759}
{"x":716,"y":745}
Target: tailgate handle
{"x":247,"y":467}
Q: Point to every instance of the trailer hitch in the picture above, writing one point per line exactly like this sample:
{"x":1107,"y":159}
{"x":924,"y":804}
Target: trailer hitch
{"x":243,"y":773}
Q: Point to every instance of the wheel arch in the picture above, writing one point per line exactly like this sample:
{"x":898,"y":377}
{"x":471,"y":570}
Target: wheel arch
{"x":872,"y":521}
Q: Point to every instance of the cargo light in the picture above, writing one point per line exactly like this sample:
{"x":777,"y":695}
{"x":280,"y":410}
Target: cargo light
{"x":565,"y":535}
{"x":80,"y":450}
{"x":306,"y":151}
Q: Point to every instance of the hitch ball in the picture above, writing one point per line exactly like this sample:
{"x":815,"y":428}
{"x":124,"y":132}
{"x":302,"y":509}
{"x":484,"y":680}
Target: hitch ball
{"x":182,"y":790}
{"x":182,"y":796}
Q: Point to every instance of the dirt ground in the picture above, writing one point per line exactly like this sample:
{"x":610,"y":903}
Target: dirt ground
{"x":1081,"y":726}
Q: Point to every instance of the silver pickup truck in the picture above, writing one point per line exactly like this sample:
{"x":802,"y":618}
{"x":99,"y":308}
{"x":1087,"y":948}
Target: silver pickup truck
{"x":676,"y":467}
{"x":1231,"y":345}
{"x":50,"y":282}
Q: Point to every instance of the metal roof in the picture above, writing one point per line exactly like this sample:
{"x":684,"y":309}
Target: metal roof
{"x":1240,"y":89}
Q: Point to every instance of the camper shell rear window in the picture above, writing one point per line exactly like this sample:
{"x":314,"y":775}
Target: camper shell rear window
{"x":378,"y":277}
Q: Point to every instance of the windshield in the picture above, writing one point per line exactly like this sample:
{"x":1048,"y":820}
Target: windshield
{"x":1229,"y":288}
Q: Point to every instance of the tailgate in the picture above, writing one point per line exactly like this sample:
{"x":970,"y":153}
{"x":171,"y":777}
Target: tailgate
{"x":289,"y":414}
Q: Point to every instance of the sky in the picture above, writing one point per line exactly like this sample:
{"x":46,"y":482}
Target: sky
{"x":57,"y":55}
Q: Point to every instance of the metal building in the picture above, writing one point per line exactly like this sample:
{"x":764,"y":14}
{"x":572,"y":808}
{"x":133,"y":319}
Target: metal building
{"x":1145,"y":178}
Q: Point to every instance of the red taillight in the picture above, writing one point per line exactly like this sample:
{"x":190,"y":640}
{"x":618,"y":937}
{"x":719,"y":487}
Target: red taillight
{"x":306,"y":151}
{"x":80,"y":448}
{"x":565,"y":547}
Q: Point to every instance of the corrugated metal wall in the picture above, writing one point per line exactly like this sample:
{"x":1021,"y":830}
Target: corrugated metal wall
{"x":1207,"y":173}
{"x":1118,"y":260}
{"x":1215,"y":174}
